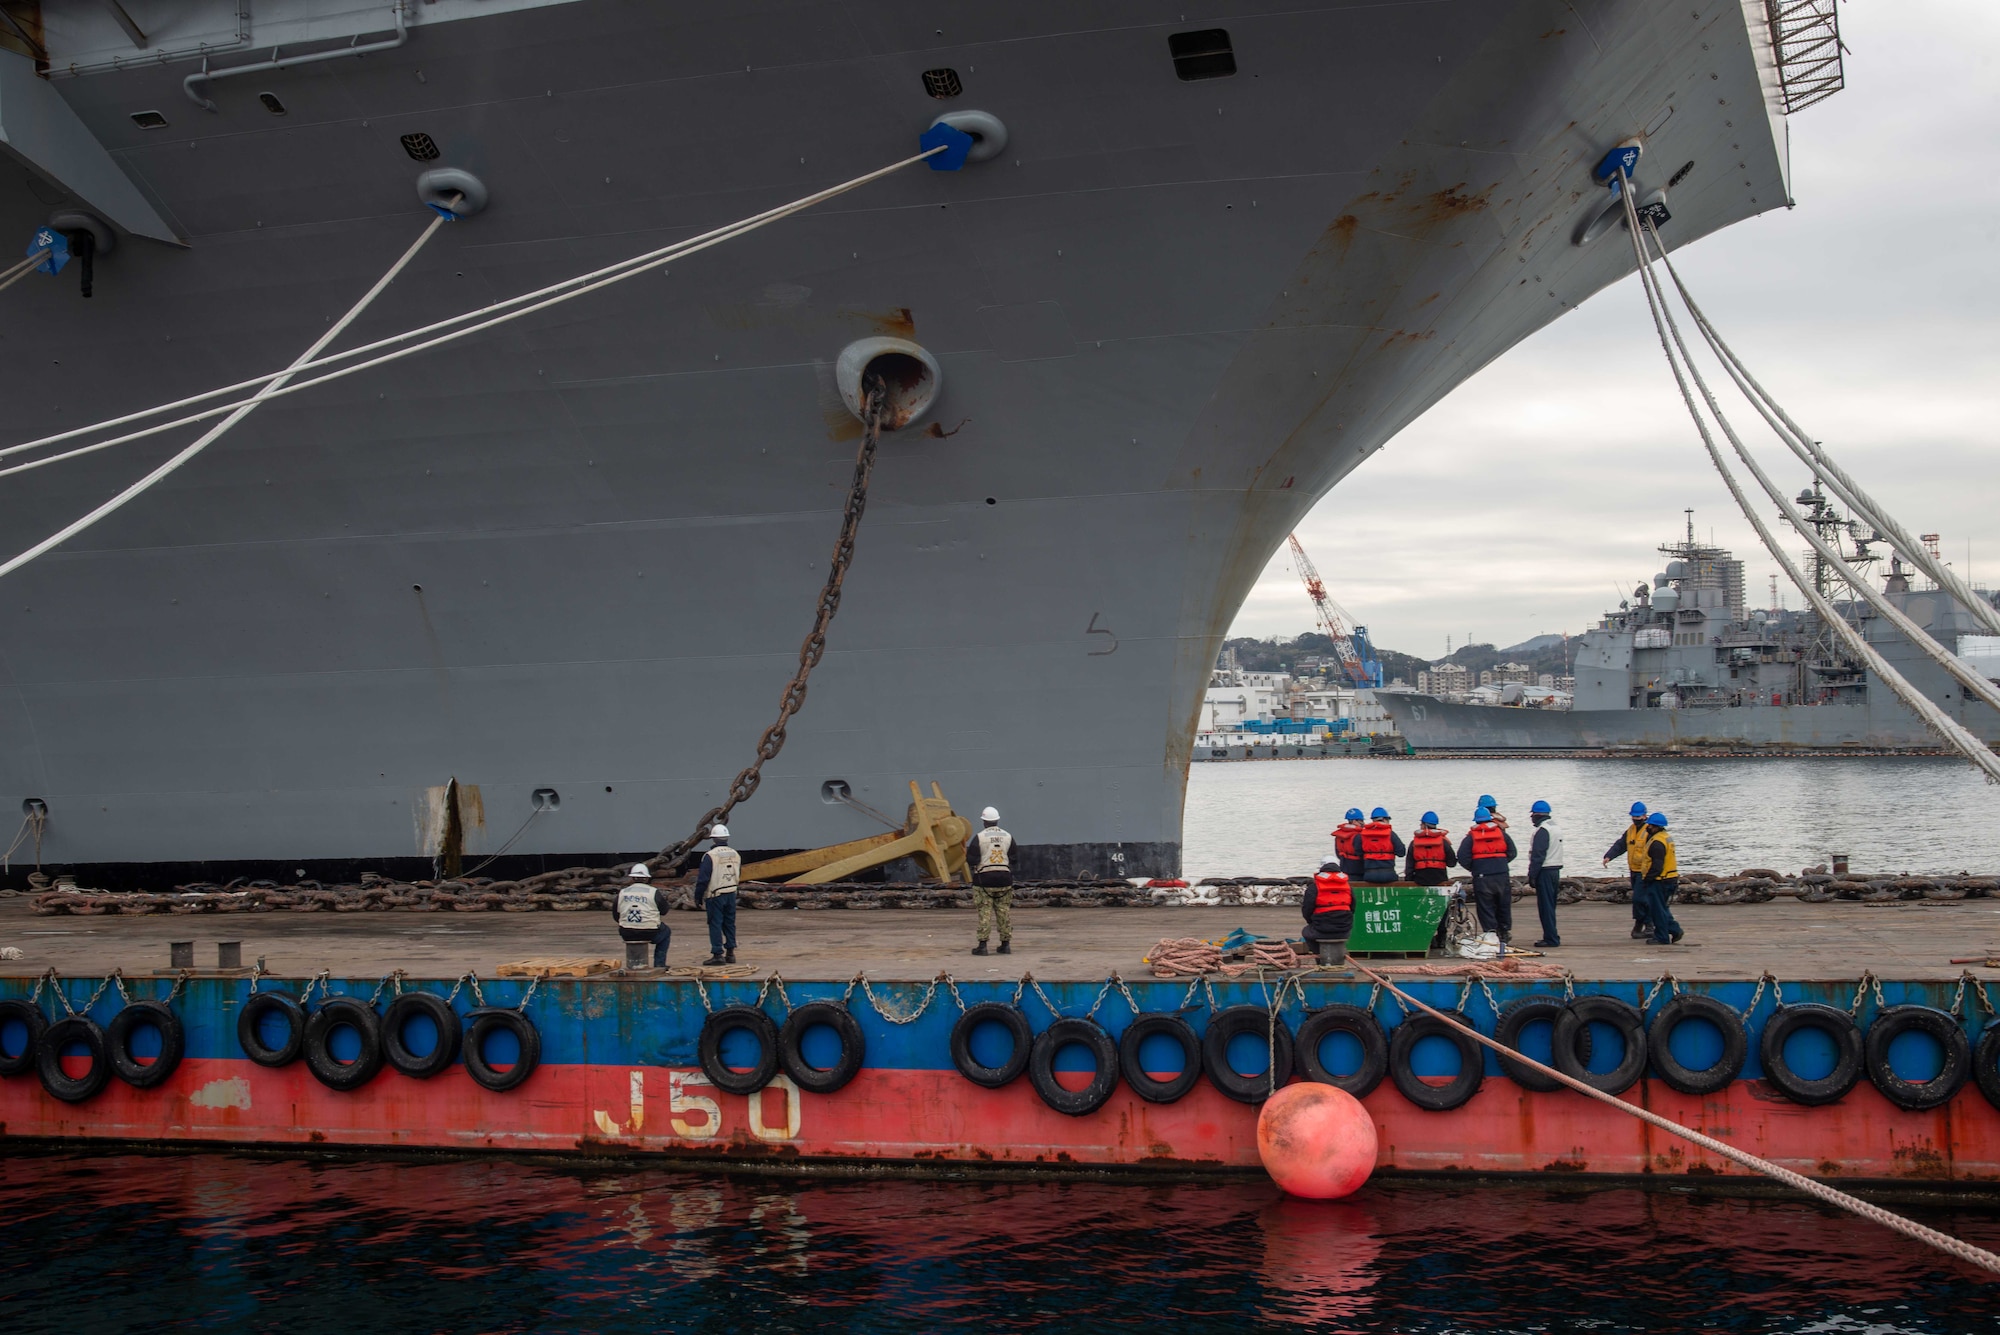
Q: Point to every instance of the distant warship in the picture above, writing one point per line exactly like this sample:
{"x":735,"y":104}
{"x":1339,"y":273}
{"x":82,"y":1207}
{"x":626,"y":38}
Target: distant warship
{"x":1682,"y":665}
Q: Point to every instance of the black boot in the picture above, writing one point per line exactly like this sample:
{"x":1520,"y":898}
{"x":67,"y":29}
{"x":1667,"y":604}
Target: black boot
{"x":1640,"y":929}
{"x":714,"y":959}
{"x":729,"y":958}
{"x":979,"y":949}
{"x":1005,"y":947}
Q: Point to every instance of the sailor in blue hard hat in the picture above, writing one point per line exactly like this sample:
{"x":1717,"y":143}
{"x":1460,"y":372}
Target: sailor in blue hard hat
{"x":1380,"y":847}
{"x":1632,"y":846}
{"x":1492,"y":804}
{"x":1431,"y":854}
{"x":1347,"y":844}
{"x":1662,"y":878}
{"x":1545,"y":863}
{"x":1488,"y":851}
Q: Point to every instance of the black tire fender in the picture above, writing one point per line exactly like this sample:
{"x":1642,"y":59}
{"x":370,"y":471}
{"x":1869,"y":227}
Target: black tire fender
{"x":254,"y":1009}
{"x":329,"y":1070}
{"x":1917,"y":1095}
{"x":48,"y":1059}
{"x":1342,"y":1019}
{"x":709,"y":1049}
{"x":118,"y":1043}
{"x":450,"y":1032}
{"x":1257,"y":1022}
{"x":1788,"y":1020}
{"x":483,"y":1021}
{"x":30,"y":1017}
{"x":1403,"y":1040}
{"x":1042,"y":1065}
{"x":1735,"y":1044}
{"x":1518,"y":1015}
{"x":1572,"y":1052}
{"x":1986,"y":1063}
{"x":1017,"y":1026}
{"x":1138,"y":1079}
{"x":791,"y":1052}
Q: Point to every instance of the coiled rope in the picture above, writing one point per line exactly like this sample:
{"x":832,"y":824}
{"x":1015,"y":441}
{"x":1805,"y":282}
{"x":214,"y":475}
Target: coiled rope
{"x":1944,"y":1242}
{"x":1951,"y":730}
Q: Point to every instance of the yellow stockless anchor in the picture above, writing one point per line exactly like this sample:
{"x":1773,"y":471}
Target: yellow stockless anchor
{"x":933,"y":834}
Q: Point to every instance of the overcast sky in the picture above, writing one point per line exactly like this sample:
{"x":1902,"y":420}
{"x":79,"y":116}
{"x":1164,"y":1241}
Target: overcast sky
{"x":1869,"y":311}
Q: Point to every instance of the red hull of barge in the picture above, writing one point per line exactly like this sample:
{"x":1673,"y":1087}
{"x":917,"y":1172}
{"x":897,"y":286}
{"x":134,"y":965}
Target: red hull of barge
{"x":936,"y":1117}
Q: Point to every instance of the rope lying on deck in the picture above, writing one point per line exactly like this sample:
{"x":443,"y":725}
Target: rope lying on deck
{"x":1944,"y":1242}
{"x":1191,"y":956}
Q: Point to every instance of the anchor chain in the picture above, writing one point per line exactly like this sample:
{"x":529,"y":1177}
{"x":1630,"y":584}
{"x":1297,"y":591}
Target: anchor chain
{"x":814,"y":648}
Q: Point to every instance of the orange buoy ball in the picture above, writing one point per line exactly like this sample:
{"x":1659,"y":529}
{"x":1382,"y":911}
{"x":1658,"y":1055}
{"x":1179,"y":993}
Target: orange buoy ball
{"x":1316,"y":1141}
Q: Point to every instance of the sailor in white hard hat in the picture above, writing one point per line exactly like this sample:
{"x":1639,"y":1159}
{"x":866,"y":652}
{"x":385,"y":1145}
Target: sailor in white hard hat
{"x":715,"y":890}
{"x":990,"y":854}
{"x":641,"y":912}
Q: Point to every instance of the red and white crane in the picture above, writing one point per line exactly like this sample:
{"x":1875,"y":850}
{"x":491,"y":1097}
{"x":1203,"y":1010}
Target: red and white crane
{"x":1333,"y":620}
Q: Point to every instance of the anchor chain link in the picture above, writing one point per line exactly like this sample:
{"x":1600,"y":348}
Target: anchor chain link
{"x":814,"y":648}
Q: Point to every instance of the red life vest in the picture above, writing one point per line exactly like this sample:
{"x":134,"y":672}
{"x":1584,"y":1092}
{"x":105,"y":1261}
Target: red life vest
{"x":1427,"y":850}
{"x":1488,"y":841}
{"x":1378,"y":841}
{"x":1331,"y":892}
{"x":1347,"y":842}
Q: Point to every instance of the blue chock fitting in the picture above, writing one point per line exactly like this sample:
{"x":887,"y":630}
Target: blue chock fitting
{"x":957,"y":143}
{"x":1622,"y":158}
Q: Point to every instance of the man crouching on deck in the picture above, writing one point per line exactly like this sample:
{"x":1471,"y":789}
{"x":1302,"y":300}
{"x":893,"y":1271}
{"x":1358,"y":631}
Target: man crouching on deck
{"x":1328,"y":904}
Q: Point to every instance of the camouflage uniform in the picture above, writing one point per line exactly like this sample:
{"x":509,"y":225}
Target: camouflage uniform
{"x":995,"y":903}
{"x":990,"y":853}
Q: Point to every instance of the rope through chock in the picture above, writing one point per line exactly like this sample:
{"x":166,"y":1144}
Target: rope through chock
{"x":1944,"y":1242}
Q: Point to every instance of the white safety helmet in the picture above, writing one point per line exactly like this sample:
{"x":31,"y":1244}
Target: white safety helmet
{"x":991,"y":813}
{"x":639,"y":872}
{"x":718,"y":831}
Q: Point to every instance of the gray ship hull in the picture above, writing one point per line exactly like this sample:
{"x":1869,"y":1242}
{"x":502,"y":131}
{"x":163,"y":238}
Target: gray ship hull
{"x":1430,"y":724}
{"x":579,"y":554}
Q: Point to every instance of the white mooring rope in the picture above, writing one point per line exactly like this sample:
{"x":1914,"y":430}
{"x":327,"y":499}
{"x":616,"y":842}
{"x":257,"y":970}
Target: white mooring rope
{"x":19,"y":271}
{"x":1815,"y":457}
{"x":1944,"y":1242}
{"x":1972,"y":681}
{"x":1946,"y":727}
{"x":237,"y":412}
{"x":515,"y":307}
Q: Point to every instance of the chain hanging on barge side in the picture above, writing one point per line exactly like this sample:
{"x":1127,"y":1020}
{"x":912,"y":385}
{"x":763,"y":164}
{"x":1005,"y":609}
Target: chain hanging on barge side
{"x":814,"y":648}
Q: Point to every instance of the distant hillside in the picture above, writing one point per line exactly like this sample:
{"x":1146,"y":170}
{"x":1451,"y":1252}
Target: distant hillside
{"x":1543,"y":653}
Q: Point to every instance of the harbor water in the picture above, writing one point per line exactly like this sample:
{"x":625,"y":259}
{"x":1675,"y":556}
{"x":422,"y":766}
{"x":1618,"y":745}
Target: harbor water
{"x":210,"y":1241}
{"x":1890,"y":814}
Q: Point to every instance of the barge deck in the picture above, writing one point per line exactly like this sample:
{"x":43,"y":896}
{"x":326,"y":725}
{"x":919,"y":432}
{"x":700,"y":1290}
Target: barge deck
{"x":1905,"y":939}
{"x":645,"y":1065}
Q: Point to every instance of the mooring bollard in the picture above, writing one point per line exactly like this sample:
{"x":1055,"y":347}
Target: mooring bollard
{"x":180,"y":954}
{"x":228,"y":954}
{"x":1839,"y":863}
{"x":638,"y":955}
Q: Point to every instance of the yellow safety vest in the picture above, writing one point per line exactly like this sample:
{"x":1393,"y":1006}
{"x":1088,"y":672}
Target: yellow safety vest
{"x":1635,"y":846}
{"x":1669,"y":871}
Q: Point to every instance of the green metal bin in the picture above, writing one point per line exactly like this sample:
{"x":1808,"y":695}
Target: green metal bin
{"x":1396,"y":919}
